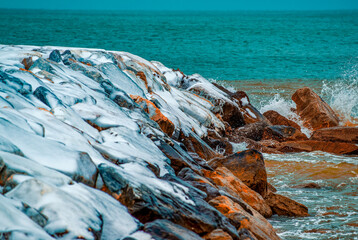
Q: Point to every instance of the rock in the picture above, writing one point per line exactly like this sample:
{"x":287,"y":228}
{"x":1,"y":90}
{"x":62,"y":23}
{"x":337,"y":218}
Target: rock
{"x":339,"y":148}
{"x":199,"y":182}
{"x":271,"y":187}
{"x":336,"y":134}
{"x":228,"y":110}
{"x":308,"y":185}
{"x":314,"y":112}
{"x":162,"y":229}
{"x":283,"y":133}
{"x":248,"y":166}
{"x":221,"y":146}
{"x":253,"y":131}
{"x":15,"y":83}
{"x":265,"y":146}
{"x":27,"y":62}
{"x":250,"y":113}
{"x":282,"y":205}
{"x":179,"y":159}
{"x":155,"y":114}
{"x":277,"y":119}
{"x":217,"y":234}
{"x":227,"y":182}
{"x":55,"y":56}
{"x":246,"y":234}
{"x":254,"y":222}
{"x":195,"y":144}
{"x":149,"y":198}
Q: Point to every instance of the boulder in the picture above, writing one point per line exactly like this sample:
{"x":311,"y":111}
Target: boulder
{"x":282,"y":205}
{"x":308,"y":185}
{"x":55,"y":56}
{"x":283,"y":133}
{"x":253,"y":131}
{"x":217,"y":234}
{"x":222,"y":145}
{"x":265,"y":146}
{"x":195,"y":144}
{"x":277,"y":119}
{"x":339,"y":148}
{"x":162,"y":229}
{"x":314,"y":112}
{"x":228,"y":110}
{"x":227,"y":182}
{"x":155,"y":114}
{"x":254,"y":222}
{"x":27,"y":62}
{"x":149,"y":198}
{"x":250,"y":113}
{"x":248,"y":166}
{"x":336,"y":134}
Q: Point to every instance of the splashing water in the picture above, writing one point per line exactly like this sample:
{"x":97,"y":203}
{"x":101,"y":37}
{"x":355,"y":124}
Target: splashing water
{"x":284,"y":107}
{"x":342,"y":96}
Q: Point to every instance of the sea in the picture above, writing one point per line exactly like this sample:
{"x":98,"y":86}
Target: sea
{"x":267,"y":54}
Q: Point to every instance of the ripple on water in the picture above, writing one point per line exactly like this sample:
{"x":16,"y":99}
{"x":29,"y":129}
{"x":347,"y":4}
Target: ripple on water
{"x":333,"y":208}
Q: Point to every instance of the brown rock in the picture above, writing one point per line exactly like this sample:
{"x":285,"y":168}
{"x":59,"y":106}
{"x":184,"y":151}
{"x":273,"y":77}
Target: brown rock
{"x":155,"y":114}
{"x":314,"y":112}
{"x":254,"y":222}
{"x":217,"y":234}
{"x":248,"y":166}
{"x":253,"y":131}
{"x":229,"y":112}
{"x":27,"y":62}
{"x":221,"y":146}
{"x":250,"y":113}
{"x":308,"y":185}
{"x":336,"y":134}
{"x":339,"y":148}
{"x":226,"y":181}
{"x":265,"y":146}
{"x":277,"y":119}
{"x":282,"y":205}
{"x":195,"y":144}
{"x":283,"y":133}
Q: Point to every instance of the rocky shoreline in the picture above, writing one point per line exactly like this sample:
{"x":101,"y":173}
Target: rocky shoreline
{"x":100,"y":144}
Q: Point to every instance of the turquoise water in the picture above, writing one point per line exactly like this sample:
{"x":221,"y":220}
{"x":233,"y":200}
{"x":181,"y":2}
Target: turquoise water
{"x":267,"y":54}
{"x":218,"y":45}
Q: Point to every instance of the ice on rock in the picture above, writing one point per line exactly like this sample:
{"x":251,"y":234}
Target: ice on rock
{"x":13,"y":165}
{"x":14,"y":224}
{"x":120,"y":80}
{"x":49,"y":153}
{"x":123,"y":145}
{"x":76,"y":210}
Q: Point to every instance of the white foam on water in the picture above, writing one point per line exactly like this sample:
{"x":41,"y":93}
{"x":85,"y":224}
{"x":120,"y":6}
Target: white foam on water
{"x":284,"y":107}
{"x":342,"y":95}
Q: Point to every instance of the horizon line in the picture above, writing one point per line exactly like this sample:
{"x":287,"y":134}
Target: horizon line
{"x":186,"y":10}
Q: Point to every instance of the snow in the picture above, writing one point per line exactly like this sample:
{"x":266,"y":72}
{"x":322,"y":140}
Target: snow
{"x":60,"y":123}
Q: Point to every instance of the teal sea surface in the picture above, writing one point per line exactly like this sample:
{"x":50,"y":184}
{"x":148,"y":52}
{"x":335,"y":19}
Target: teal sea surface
{"x":267,"y":54}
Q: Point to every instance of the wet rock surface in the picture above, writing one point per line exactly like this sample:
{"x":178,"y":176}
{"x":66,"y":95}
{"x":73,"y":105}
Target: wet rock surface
{"x":314,"y":112}
{"x":106,"y":145}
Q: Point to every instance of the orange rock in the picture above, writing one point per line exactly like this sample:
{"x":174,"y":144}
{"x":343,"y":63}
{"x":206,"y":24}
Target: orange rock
{"x":277,"y":119}
{"x":27,"y":62}
{"x":142,"y":76}
{"x":314,"y":112}
{"x":195,"y":144}
{"x":254,"y":222}
{"x":283,"y":133}
{"x":155,"y":114}
{"x":217,"y":234}
{"x":336,"y":134}
{"x":248,"y":166}
{"x":282,"y":205}
{"x":250,"y":113}
{"x":339,"y":148}
{"x":225,"y":180}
